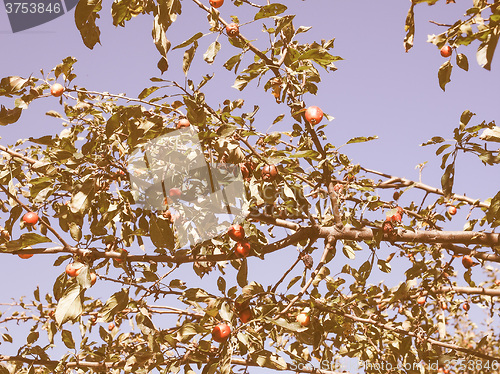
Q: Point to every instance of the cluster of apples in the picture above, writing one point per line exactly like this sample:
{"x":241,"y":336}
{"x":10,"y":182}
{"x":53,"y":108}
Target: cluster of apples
{"x":242,"y":247}
{"x":394,"y":216}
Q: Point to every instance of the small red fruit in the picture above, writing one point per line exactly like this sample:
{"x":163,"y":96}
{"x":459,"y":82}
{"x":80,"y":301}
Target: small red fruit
{"x":244,"y":171}
{"x":111,"y":326}
{"x":314,"y":115}
{"x":467,"y":262}
{"x":25,"y":256}
{"x":183,"y":123}
{"x":56,"y":90}
{"x":388,"y":227}
{"x":242,"y":249}
{"x":421,"y":300}
{"x":444,"y":306}
{"x":452,"y":209}
{"x":338,"y":188}
{"x":400,"y":211}
{"x":221,"y":332}
{"x":93,"y":278}
{"x":175,"y":192}
{"x":396,"y":218}
{"x":73,"y":269}
{"x":236,"y":232}
{"x":232,"y":30}
{"x":269,"y":172}
{"x":246,"y":315}
{"x":466,"y":306}
{"x":304,"y":319}
{"x":446,"y":51}
{"x":216,"y":3}
{"x":30,"y":218}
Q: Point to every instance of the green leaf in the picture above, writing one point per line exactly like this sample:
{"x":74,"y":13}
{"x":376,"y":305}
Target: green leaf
{"x":447,"y":180}
{"x":81,"y":200}
{"x":13,"y":84}
{"x":147,"y":91}
{"x":75,"y":231}
{"x":192,"y":39}
{"x":161,"y":233}
{"x":361,"y":139}
{"x":444,"y":74}
{"x":493,"y":212}
{"x":70,"y":306}
{"x":116,"y":303}
{"x":32,"y":337}
{"x":221,"y":284}
{"x":211,"y":52}
{"x":282,"y":322}
{"x":86,"y":12}
{"x":348,"y":252}
{"x":188,"y":58}
{"x":442,"y":148}
{"x":270,"y":11}
{"x":159,"y":36}
{"x":9,"y":116}
{"x":462,"y":61}
{"x":67,"y":339}
{"x":242,"y":274}
{"x":409,"y":28}
{"x":486,"y":50}
{"x":465,"y":117}
{"x":384,"y":266}
{"x":25,"y":240}
{"x":233,"y":62}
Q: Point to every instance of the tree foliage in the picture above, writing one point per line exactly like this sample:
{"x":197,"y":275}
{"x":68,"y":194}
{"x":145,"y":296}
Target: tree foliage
{"x":319,"y":201}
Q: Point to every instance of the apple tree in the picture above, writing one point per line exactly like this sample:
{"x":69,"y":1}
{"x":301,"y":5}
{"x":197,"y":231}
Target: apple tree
{"x":115,"y":199}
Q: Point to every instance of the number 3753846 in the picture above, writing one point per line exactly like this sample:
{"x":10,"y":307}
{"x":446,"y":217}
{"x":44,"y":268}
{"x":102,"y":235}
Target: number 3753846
{"x":33,"y":8}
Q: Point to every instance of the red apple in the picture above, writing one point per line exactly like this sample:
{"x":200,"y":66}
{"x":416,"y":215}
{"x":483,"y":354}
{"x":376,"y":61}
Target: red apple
{"x":175,"y":193}
{"x":314,"y":115}
{"x":452,"y":209}
{"x":216,"y":3}
{"x":183,"y":123}
{"x":74,"y":269}
{"x":446,"y":51}
{"x":246,"y":315}
{"x":232,"y":30}
{"x":304,"y":319}
{"x":467,"y":262}
{"x":56,"y":90}
{"x":30,"y":218}
{"x":221,"y":332}
{"x":269,"y":172}
{"x":236,"y":232}
{"x":242,"y":249}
